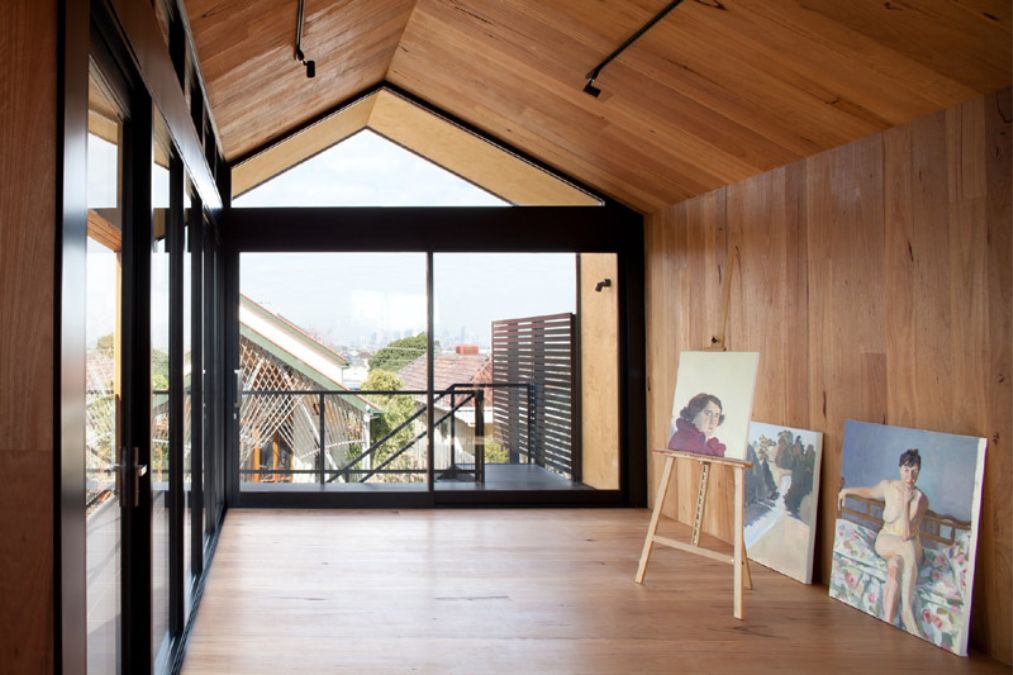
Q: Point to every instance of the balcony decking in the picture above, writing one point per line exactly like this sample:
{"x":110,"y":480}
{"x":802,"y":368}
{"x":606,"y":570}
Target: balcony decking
{"x":515,"y":591}
{"x":508,"y":477}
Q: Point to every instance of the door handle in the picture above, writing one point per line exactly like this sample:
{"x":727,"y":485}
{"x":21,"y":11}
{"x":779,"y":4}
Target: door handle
{"x":237,"y":404}
{"x":139,"y":470}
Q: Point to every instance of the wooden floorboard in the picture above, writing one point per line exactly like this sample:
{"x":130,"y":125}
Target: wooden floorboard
{"x":532,"y":591}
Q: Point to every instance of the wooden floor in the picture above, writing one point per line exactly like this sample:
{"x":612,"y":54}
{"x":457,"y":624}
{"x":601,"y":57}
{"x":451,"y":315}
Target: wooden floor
{"x":519,"y":591}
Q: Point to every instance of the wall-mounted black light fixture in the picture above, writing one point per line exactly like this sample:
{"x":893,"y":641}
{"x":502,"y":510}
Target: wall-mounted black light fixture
{"x":604,"y":283}
{"x":590,"y":87}
{"x":311,"y":66}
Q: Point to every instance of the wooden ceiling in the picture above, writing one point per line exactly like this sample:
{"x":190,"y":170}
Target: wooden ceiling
{"x":717,"y":91}
{"x":256,"y":87}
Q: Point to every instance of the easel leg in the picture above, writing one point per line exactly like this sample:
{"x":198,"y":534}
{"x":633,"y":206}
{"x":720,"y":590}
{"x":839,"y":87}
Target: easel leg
{"x":739,"y":544}
{"x":701,"y":501}
{"x":659,"y":501}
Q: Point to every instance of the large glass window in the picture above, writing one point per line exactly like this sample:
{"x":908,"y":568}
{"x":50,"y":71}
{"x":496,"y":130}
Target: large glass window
{"x":367,"y":170}
{"x":326,"y":344}
{"x":104,"y":376}
{"x":334,"y":355}
{"x":507,"y":371}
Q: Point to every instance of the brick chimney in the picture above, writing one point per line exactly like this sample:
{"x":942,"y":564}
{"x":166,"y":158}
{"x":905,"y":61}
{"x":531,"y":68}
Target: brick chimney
{"x":466,"y":349}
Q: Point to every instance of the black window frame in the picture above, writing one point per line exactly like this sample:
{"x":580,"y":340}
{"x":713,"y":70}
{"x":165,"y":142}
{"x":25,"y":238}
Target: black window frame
{"x":611,"y":228}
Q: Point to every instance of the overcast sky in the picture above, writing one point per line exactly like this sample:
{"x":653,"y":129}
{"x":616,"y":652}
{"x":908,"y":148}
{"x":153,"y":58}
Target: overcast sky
{"x":346,"y":297}
{"x":367,"y":170}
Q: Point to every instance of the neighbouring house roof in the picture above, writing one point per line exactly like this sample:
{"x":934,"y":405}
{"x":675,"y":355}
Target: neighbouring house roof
{"x":448,"y":369}
{"x":295,"y":347}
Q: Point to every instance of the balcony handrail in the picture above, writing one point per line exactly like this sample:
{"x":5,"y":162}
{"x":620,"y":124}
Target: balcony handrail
{"x":468,"y":390}
{"x":410,"y":443}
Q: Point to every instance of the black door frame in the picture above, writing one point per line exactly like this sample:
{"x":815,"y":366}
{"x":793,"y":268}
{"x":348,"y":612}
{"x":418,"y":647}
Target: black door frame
{"x":611,"y":228}
{"x":123,"y":38}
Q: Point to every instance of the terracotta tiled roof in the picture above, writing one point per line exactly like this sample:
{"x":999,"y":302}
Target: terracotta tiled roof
{"x":449,"y":369}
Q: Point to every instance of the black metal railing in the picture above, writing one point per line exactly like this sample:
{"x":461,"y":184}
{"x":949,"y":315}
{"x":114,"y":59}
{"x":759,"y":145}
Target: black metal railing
{"x":357,"y":463}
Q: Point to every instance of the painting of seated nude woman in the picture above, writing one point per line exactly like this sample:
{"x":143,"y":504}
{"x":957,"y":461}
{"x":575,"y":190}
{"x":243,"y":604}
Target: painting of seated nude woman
{"x":907,"y":529}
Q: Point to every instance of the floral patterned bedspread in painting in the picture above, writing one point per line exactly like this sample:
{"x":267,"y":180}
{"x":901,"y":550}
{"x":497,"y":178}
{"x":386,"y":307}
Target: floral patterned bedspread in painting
{"x":859,"y":576}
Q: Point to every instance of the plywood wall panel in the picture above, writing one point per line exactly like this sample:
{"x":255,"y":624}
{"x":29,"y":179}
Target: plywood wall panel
{"x":875,"y":280}
{"x":599,"y":371}
{"x":27,"y":215}
{"x":993,"y":597}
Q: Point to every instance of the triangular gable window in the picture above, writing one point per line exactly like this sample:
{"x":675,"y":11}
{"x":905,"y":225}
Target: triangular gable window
{"x":386,"y":150}
{"x":366,"y":169}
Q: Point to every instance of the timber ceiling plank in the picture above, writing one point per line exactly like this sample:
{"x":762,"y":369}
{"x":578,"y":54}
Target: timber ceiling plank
{"x":717,"y":91}
{"x":257,"y":89}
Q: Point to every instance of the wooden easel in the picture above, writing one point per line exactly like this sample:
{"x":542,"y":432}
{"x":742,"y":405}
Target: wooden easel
{"x":740,"y":563}
{"x":739,"y":560}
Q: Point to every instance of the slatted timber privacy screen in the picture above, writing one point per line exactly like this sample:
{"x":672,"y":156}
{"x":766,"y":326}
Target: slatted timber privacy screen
{"x":535,"y":422}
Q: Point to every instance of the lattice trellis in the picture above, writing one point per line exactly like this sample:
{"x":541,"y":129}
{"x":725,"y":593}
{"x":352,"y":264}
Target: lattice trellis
{"x":100,"y":429}
{"x":292,"y":421}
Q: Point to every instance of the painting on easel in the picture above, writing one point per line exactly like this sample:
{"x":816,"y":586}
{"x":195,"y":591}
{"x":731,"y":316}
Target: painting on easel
{"x":782,"y":493}
{"x":713,"y":403}
{"x":907,"y":529}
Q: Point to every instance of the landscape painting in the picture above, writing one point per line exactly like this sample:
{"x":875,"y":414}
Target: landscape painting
{"x":782,"y":493}
{"x":907,"y":529}
{"x":713,"y":403}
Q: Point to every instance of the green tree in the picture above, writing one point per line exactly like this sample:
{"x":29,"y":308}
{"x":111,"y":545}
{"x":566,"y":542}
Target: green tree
{"x":159,"y":370}
{"x":105,"y":344}
{"x":398,"y":354}
{"x":396,"y":409}
{"x":494,"y":452}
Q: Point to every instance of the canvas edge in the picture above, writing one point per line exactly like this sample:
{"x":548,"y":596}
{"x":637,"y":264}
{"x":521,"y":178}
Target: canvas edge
{"x":979,"y":483}
{"x":817,"y":475}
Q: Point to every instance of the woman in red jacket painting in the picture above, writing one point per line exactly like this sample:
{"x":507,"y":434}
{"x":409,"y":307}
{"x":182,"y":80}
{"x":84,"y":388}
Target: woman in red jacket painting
{"x":696,"y":425}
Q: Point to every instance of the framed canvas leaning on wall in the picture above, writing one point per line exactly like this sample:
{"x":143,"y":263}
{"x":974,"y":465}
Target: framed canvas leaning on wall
{"x":782,"y":496}
{"x":907,"y":529}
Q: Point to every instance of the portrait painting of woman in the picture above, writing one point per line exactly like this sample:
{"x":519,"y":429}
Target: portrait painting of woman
{"x":697,"y":425}
{"x":712,"y":403}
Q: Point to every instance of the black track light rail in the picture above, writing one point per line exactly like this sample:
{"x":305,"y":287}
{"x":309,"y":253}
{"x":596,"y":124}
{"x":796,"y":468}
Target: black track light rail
{"x":311,"y":66}
{"x":590,"y":87}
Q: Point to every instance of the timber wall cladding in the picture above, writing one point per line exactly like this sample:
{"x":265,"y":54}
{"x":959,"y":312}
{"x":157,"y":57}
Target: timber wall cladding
{"x":27,"y":216}
{"x":875,"y":280}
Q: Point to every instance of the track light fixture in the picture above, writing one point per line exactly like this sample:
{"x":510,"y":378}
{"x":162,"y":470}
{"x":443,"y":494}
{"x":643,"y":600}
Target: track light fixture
{"x":311,"y":66}
{"x":591,"y":88}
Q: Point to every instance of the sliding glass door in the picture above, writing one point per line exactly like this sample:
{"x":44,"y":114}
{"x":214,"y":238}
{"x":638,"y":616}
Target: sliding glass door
{"x":104,"y":368}
{"x":141,"y":340}
{"x":508,"y":373}
{"x":161,"y":392}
